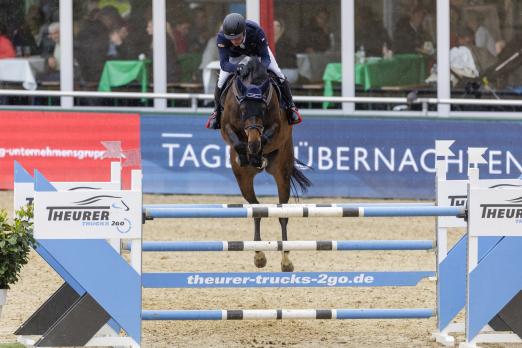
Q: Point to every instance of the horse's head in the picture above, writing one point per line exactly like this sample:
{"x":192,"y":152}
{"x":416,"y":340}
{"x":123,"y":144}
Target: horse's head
{"x":253,"y":105}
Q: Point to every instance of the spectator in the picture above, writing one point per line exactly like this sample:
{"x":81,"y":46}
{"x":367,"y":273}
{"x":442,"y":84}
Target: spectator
{"x":370,"y":32}
{"x":285,"y":52}
{"x":49,"y":9}
{"x":6,"y":47}
{"x":178,"y":33}
{"x":25,"y":36}
{"x":316,"y":38}
{"x":199,"y":32}
{"x":53,"y":60}
{"x":36,"y":26}
{"x":409,"y":37}
{"x":483,"y":37}
{"x":94,"y":41}
{"x":468,"y":60}
{"x":118,"y":34}
{"x":172,"y":61}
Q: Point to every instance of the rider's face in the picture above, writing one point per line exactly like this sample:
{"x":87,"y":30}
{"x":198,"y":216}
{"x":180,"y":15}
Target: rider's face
{"x":237,"y":41}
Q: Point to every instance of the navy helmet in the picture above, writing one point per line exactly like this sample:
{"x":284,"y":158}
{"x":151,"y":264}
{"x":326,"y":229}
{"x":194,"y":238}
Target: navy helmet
{"x":233,"y":26}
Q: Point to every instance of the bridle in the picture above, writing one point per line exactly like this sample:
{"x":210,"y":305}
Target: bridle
{"x":257,"y":127}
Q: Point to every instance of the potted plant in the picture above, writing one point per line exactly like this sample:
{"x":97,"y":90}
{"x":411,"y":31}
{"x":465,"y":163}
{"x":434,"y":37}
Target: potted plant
{"x":16,"y":240}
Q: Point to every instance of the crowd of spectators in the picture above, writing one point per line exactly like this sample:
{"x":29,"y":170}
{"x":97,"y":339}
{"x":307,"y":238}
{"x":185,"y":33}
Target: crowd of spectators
{"x":122,"y":30}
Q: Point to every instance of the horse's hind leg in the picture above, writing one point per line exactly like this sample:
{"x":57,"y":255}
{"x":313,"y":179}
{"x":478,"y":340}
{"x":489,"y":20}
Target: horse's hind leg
{"x":259,"y":258}
{"x":286,"y":264}
{"x":246,"y":185}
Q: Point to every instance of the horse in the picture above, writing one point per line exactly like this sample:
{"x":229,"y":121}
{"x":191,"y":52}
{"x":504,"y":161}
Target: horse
{"x":255,"y":127}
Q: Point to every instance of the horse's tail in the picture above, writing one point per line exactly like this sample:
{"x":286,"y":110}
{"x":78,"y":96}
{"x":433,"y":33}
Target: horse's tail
{"x":299,"y":181}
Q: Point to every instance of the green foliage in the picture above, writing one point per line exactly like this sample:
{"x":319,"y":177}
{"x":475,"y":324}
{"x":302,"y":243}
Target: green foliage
{"x":16,"y":240}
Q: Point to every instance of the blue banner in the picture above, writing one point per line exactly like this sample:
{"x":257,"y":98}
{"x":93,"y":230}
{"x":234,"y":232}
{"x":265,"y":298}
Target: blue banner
{"x":283,"y":279}
{"x":350,"y":157}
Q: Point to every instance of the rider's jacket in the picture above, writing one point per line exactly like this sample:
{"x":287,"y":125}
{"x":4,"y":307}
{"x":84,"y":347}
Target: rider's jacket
{"x":254,"y":44}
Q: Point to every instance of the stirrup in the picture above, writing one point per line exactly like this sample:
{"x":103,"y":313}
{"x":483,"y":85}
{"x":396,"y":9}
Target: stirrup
{"x":213,"y":121}
{"x":294,"y":117}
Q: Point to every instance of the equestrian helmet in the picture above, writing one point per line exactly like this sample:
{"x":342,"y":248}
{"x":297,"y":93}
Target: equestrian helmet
{"x":233,"y":26}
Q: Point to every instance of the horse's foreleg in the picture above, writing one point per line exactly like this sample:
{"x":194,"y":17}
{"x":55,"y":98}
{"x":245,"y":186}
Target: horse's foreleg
{"x":245,"y":180}
{"x":239,"y":146}
{"x":282,"y":178}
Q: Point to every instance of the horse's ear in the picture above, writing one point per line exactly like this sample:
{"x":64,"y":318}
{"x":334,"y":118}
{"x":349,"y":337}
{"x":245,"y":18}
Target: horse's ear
{"x":241,"y":86}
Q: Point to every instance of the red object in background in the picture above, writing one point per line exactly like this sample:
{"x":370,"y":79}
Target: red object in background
{"x":266,"y":15}
{"x":64,"y":146}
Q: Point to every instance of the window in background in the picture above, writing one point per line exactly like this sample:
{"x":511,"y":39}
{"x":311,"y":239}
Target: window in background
{"x":307,"y":43}
{"x":395,"y":49}
{"x":30,"y":33}
{"x":191,"y":33}
{"x":106,"y":31}
{"x":485,"y":39}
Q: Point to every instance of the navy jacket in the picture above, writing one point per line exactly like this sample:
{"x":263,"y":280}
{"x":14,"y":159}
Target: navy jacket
{"x":255,"y":44}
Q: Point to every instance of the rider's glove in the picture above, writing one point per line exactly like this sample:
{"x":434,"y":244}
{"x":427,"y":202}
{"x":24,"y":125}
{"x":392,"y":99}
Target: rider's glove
{"x":241,"y":70}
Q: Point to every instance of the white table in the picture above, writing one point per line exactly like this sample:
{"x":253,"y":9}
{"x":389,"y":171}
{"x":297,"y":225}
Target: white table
{"x":22,"y":70}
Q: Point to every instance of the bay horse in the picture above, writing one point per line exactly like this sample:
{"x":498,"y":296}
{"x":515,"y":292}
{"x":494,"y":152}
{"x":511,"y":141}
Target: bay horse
{"x":255,"y":127}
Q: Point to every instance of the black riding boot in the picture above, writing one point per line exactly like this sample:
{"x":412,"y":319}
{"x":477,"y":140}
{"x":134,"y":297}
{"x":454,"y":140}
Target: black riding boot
{"x":292,"y":113}
{"x":215,"y":118}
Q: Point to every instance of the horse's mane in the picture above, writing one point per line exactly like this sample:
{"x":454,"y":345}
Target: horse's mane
{"x":257,"y":71}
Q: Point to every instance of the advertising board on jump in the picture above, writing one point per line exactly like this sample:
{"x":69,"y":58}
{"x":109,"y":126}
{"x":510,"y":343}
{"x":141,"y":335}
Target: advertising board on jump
{"x":495,"y":212}
{"x":87,"y":215}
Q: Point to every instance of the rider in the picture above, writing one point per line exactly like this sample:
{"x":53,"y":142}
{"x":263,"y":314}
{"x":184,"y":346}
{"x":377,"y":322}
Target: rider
{"x":237,"y":39}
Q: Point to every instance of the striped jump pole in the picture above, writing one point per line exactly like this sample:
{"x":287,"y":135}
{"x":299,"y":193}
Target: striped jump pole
{"x":332,"y":245}
{"x":267,"y":314}
{"x":303,"y":211}
{"x":308,"y":205}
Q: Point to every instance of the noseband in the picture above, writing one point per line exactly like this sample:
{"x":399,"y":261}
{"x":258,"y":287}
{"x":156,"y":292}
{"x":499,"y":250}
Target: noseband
{"x":257,"y":127}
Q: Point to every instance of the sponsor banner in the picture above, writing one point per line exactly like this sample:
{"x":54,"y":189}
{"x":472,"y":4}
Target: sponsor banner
{"x":87,"y":215}
{"x":455,"y":193}
{"x":283,"y":280}
{"x":495,"y":212}
{"x":452,"y":193}
{"x":65,"y":146}
{"x":350,"y":157}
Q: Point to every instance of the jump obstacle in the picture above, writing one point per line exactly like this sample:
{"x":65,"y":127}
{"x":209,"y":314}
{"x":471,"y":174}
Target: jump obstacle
{"x":56,"y":249}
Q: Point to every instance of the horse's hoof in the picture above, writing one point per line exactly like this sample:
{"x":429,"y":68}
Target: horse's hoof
{"x":288,"y":267}
{"x":260,"y":260}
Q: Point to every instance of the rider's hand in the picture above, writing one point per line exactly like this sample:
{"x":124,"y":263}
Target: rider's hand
{"x":241,"y":70}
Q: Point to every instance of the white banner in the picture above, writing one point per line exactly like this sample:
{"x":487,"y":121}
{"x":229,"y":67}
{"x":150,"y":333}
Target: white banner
{"x":87,"y":214}
{"x":454,"y":193}
{"x":495,"y":212}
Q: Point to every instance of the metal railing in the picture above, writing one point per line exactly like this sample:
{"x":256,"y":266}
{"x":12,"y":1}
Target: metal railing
{"x":195,"y":97}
